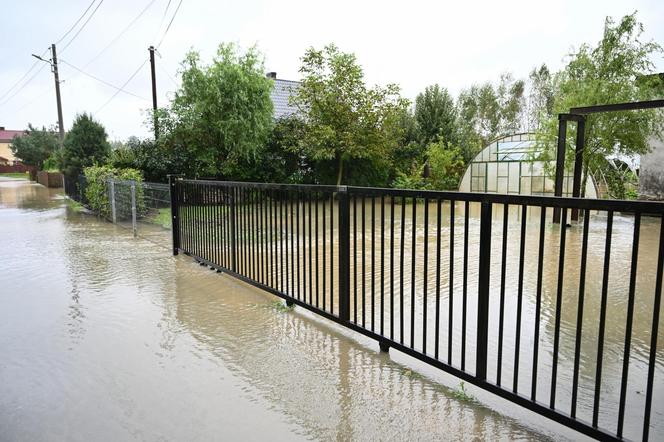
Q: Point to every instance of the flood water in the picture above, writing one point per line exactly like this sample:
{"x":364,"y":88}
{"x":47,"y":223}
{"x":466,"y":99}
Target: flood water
{"x":399,"y":265}
{"x":108,"y":337}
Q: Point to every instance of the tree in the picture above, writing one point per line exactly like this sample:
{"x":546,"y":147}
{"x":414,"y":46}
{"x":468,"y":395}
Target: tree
{"x":485,"y":113}
{"x":540,"y":97}
{"x":478,"y":118}
{"x":221,"y":114}
{"x":511,"y":104}
{"x":35,"y":147}
{"x":446,"y":165}
{"x":435,"y":114}
{"x":86,"y":144}
{"x":344,"y":120}
{"x":606,"y":73}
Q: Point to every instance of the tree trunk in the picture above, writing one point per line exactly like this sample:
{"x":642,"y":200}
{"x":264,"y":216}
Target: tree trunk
{"x":340,"y":166}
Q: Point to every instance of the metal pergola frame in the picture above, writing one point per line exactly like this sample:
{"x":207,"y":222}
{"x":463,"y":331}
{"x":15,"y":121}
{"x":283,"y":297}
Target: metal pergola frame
{"x":578,"y":115}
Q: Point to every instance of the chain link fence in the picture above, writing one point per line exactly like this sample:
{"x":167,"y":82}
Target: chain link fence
{"x":143,"y":208}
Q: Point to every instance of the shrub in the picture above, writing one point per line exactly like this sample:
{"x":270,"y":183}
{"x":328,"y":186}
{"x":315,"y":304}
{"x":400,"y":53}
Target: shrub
{"x":97,"y":190}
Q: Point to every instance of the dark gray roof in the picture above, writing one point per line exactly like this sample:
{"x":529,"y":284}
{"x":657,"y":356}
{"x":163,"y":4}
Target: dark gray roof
{"x":281,"y":92}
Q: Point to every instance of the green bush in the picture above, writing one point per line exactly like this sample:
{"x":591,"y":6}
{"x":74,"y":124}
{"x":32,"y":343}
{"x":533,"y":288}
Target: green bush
{"x":97,"y":190}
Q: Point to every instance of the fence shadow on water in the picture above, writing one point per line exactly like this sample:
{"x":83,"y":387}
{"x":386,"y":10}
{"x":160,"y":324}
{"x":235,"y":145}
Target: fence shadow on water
{"x":560,"y":318}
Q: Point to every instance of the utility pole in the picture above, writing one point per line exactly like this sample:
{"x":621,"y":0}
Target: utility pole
{"x":54,"y":68}
{"x":154,"y":93}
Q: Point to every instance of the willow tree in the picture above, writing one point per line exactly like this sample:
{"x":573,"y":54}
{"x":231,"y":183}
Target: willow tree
{"x":221,"y":114}
{"x":613,"y":71}
{"x":344,"y":120}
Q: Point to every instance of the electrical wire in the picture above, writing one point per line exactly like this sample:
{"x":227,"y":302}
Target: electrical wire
{"x":103,"y":81}
{"x":8,"y":91}
{"x":169,"y":24}
{"x":82,"y":26}
{"x":126,"y":28}
{"x":175,"y":83}
{"x":23,"y":86}
{"x":122,"y":87}
{"x":77,"y":22}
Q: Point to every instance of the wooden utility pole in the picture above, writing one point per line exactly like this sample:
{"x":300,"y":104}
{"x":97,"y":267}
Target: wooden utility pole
{"x":54,"y":67}
{"x":154,"y":93}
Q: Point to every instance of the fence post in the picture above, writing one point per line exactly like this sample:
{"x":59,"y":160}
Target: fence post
{"x":175,"y":211}
{"x":133,"y":207}
{"x":233,"y":232}
{"x":111,"y":196}
{"x":344,"y":254}
{"x":483,"y":291}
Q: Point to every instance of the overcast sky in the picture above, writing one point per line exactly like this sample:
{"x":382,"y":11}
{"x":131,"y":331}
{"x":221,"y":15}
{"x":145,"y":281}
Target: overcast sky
{"x":411,"y":43}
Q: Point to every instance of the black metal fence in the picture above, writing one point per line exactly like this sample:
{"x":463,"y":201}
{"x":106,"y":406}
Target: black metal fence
{"x":482,"y":286}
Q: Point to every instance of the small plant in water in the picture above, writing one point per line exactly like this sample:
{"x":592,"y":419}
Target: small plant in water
{"x":281,"y":306}
{"x":461,"y":394}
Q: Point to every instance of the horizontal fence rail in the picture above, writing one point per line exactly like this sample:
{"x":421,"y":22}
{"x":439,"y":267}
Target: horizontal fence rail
{"x":560,"y":318}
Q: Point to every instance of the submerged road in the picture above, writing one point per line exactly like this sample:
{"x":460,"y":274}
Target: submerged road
{"x":107,"y":337}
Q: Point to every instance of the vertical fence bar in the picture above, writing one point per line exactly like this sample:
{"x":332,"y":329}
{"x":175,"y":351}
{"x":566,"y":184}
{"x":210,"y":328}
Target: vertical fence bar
{"x":579,"y":311}
{"x":559,"y":301}
{"x":450,"y":300}
{"x":501,"y":312}
{"x":233,"y":228}
{"x":175,"y":212}
{"x":602,"y":317}
{"x":412,"y":273}
{"x":652,"y":360}
{"x":133,"y":207}
{"x":112,"y":197}
{"x":538,"y":302}
{"x":628,"y":322}
{"x":425,"y":275}
{"x":344,"y":255}
{"x":464,"y":292}
{"x":483,"y":291}
{"x":519,"y":299}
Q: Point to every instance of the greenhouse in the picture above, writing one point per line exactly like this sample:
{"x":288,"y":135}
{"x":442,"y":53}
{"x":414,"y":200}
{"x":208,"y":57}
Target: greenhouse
{"x":507,"y":166}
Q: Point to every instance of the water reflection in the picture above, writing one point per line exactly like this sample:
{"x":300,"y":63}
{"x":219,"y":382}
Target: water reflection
{"x":108,"y":337}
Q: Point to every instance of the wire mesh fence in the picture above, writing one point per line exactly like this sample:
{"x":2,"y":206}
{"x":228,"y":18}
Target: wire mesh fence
{"x":143,"y":208}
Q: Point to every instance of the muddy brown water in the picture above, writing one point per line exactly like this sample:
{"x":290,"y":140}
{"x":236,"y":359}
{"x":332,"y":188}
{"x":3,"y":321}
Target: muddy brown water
{"x":107,"y":337}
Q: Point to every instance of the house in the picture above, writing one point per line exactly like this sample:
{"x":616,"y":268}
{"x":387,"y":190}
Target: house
{"x":281,"y":93}
{"x":7,"y":157}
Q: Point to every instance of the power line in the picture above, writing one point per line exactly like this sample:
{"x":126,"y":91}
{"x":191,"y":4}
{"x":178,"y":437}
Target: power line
{"x":77,"y":22}
{"x":163,"y":17}
{"x":122,"y":87}
{"x":103,"y":81}
{"x":169,"y":24}
{"x":126,"y":28}
{"x":23,"y":86}
{"x":8,"y":91}
{"x":82,"y":26}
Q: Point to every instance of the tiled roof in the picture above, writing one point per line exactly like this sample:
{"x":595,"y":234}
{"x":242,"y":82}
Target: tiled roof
{"x":6,"y":136}
{"x":281,"y":92}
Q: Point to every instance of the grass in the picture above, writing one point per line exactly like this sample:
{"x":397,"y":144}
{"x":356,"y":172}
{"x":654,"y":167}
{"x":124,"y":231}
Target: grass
{"x":74,"y":205}
{"x":281,"y":306}
{"x":461,"y":394}
{"x":162,"y":217}
{"x":19,"y":175}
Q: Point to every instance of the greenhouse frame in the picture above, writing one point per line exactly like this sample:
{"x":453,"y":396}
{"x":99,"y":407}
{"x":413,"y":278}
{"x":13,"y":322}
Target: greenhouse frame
{"x":508,"y":165}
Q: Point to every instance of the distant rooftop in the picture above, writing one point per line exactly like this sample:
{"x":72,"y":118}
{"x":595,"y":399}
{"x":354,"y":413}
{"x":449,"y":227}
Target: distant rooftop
{"x":6,"y":136}
{"x":282,"y":91}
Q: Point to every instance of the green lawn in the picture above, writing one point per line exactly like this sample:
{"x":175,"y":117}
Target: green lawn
{"x":23,"y":176}
{"x":162,"y":217}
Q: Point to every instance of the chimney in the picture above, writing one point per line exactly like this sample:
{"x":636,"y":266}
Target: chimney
{"x":2,"y":127}
{"x":272,"y":75}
